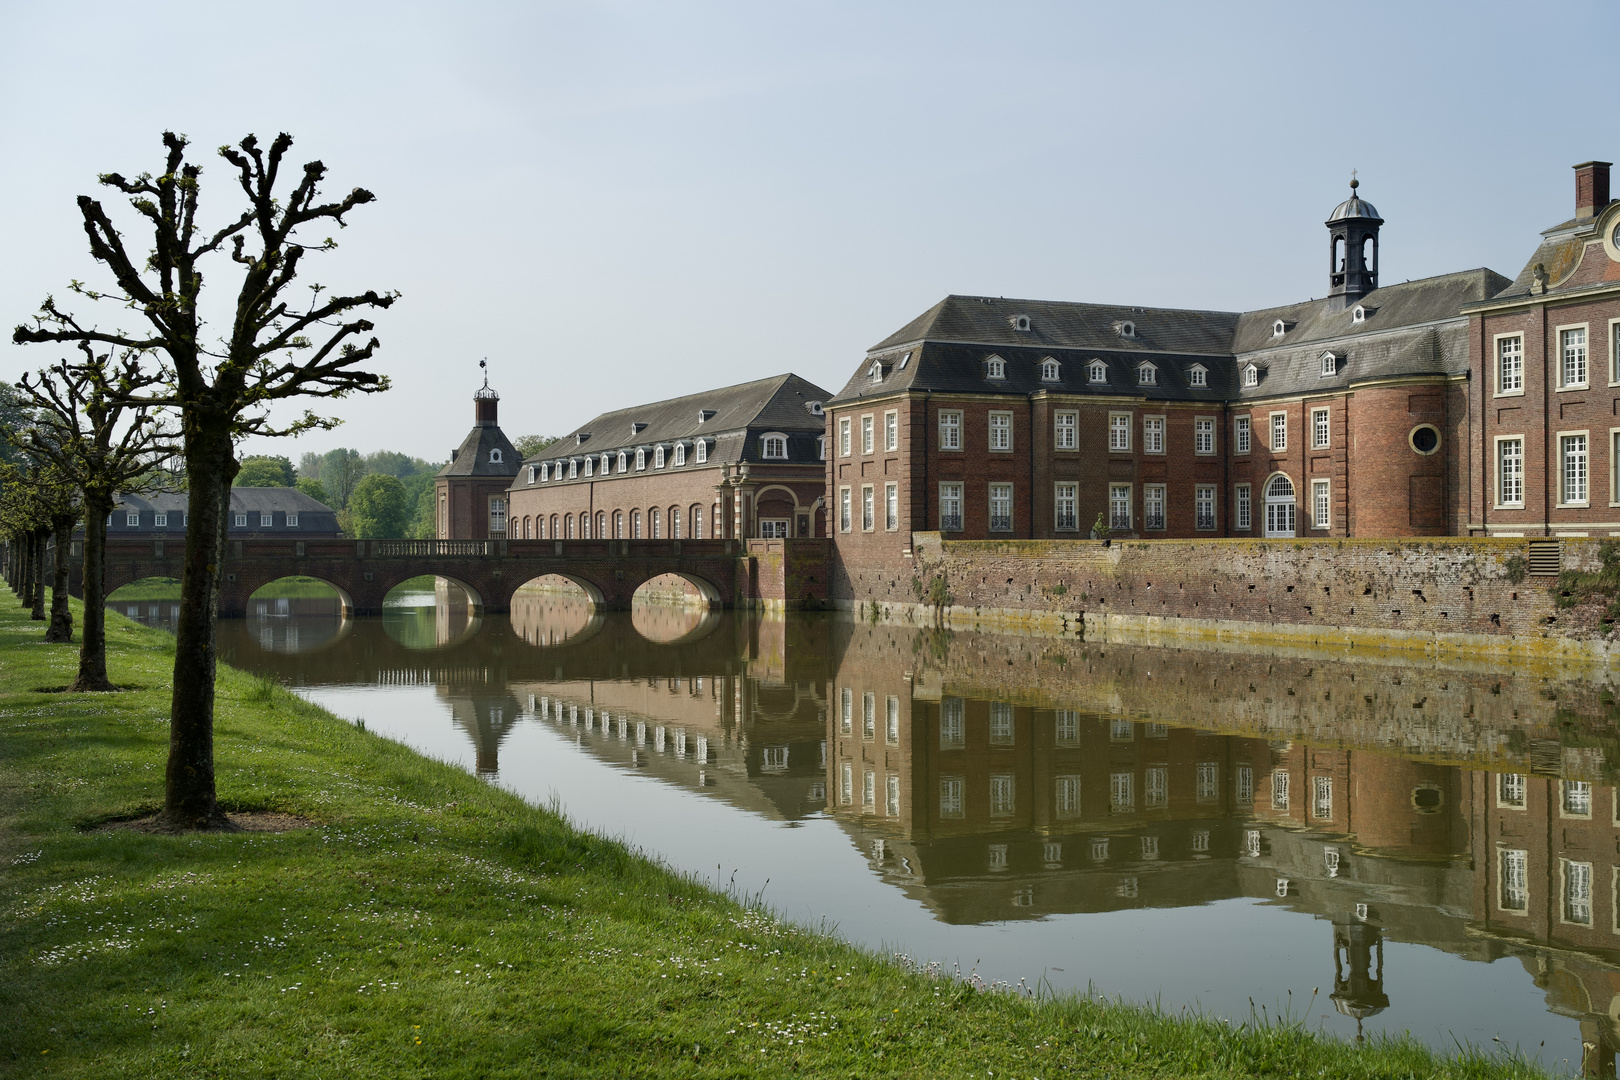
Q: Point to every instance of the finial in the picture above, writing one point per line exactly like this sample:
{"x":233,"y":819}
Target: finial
{"x":484,"y":364}
{"x":1354,"y":183}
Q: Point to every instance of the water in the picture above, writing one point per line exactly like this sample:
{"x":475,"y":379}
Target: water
{"x":1372,"y":844}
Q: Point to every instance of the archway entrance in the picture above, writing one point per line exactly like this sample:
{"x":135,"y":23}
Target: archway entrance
{"x":1280,"y":506}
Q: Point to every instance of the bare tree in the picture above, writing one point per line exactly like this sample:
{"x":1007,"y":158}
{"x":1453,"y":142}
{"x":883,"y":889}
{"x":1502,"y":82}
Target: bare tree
{"x":87,"y":421}
{"x":275,"y":350}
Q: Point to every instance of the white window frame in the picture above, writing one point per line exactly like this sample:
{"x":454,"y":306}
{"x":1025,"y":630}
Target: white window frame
{"x":995,"y":367}
{"x":1513,"y":874}
{"x":1321,"y":429}
{"x":891,"y":431}
{"x":951,"y":493}
{"x":1497,"y":489}
{"x":868,"y":508}
{"x":241,"y":521}
{"x":950,"y":429}
{"x":1066,"y":495}
{"x":1585,"y":381}
{"x":658,"y":456}
{"x":1097,"y":373}
{"x":845,"y":441}
{"x":1204,"y":435}
{"x":1001,"y":431}
{"x":1517,"y":781}
{"x":1321,"y":504}
{"x":1119,"y":507}
{"x":292,"y":520}
{"x":1251,"y":375}
{"x":846,"y":508}
{"x":891,"y":506}
{"x":1585,"y":457}
{"x":590,"y":466}
{"x":1504,"y":386}
{"x":868,"y":433}
{"x":1198,"y":375}
{"x":1155,"y":495}
{"x":267,"y":520}
{"x":1147,"y":374}
{"x":1204,"y":507}
{"x":641,"y":460}
{"x":1066,"y":430}
{"x":1153,"y":439}
{"x":1614,"y":466}
{"x":1575,"y":879}
{"x":160,"y":520}
{"x":700,"y":452}
{"x":132,"y":519}
{"x":1243,"y":501}
{"x":1273,"y":429}
{"x":773,"y":446}
{"x":1329,"y":366}
{"x":1000,"y":493}
{"x":1242,"y":434}
{"x":1119,"y":433}
{"x":680,"y":455}
{"x":1051,"y":370}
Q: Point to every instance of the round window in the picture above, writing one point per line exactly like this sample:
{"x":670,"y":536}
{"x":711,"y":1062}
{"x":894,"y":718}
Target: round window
{"x":1425,"y":438}
{"x":1428,"y":799}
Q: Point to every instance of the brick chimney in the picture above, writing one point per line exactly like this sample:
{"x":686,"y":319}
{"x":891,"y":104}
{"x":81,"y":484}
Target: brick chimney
{"x":1591,"y":187}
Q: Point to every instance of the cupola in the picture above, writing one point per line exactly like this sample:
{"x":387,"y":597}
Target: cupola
{"x":1352,"y":249}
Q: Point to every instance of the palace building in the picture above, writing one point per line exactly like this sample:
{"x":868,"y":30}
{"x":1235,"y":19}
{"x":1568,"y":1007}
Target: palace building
{"x":470,"y":491}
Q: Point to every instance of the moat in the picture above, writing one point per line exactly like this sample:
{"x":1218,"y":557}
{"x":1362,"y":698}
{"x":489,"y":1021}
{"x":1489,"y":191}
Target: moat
{"x":1370,"y":843}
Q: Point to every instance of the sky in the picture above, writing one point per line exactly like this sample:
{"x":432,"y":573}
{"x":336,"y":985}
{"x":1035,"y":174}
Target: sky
{"x":621,"y":202}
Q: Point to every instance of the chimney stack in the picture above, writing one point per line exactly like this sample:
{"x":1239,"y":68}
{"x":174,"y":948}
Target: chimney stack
{"x":1591,"y":187}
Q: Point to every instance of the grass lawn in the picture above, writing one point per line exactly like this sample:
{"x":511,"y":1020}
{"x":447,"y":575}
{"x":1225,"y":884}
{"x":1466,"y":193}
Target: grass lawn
{"x":428,"y":925}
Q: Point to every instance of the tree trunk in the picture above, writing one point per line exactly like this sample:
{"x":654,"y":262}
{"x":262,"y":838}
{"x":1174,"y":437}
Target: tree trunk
{"x":25,"y":582}
{"x":61,"y":628}
{"x":93,"y":640}
{"x":190,"y":800}
{"x":38,"y":613}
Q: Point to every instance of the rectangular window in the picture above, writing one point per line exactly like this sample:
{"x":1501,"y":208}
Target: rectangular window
{"x":869,"y":716}
{"x":950,"y":797}
{"x":1065,"y":505}
{"x":1578,"y":892}
{"x":160,"y":520}
{"x":1066,"y":801}
{"x":241,"y":521}
{"x":1245,"y":785}
{"x":1321,"y":504}
{"x":891,"y":506}
{"x":133,"y":521}
{"x":1240,"y":435}
{"x":1119,"y":432}
{"x":1513,"y":886}
{"x":1153,"y":506}
{"x":846,"y":503}
{"x":1322,"y":797}
{"x":267,"y":520}
{"x":1319,"y":429}
{"x":292,"y":521}
{"x":1614,"y":357}
{"x":866,"y":434}
{"x":1119,"y":507}
{"x":1279,"y":789}
{"x":1066,"y":431}
{"x":891,"y":795}
{"x":1510,"y":472}
{"x":1001,"y":431}
{"x":1204,"y":435}
{"x":1001,"y":497}
{"x":1121,"y":730}
{"x":868,"y":508}
{"x":1572,"y":453}
{"x":950,"y":507}
{"x":952,"y":724}
{"x":1577,"y":798}
{"x":1244,"y":509}
{"x":1001,"y":723}
{"x":1068,"y":727}
{"x":1121,"y":792}
{"x":950,"y":429}
{"x":1208,"y":786}
{"x":1510,"y":789}
{"x":846,"y":783}
{"x":846,"y":713}
{"x":1572,"y":349}
{"x":891,"y":718}
{"x":891,"y":430}
{"x":1152,"y":434}
{"x":1279,"y":432}
{"x":843,"y":437}
{"x":1204,"y":507}
{"x":1510,"y":365}
{"x":1156,"y":787}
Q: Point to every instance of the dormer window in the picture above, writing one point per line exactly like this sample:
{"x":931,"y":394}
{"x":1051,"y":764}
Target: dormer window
{"x":773,"y":446}
{"x":680,"y":454}
{"x":705,"y":415}
{"x":995,"y":368}
{"x":590,"y":466}
{"x":1020,"y":323}
{"x":658,"y":457}
{"x":495,"y":456}
{"x":641,"y":460}
{"x":582,"y":438}
{"x":1097,"y":372}
{"x":816,"y":408}
{"x":636,"y":428}
{"x":534,"y":470}
{"x":1198,"y":375}
{"x":607,"y":465}
{"x":1358,"y":314}
{"x":545,"y":471}
{"x":876,"y":371}
{"x":573,"y":468}
{"x":1279,"y":328}
{"x":904,"y":360}
{"x":1330,"y":365}
{"x":1251,"y":376}
{"x":821,"y":448}
{"x":624,"y":461}
{"x":1125,"y":328}
{"x":702,"y":451}
{"x":1147,"y":375}
{"x":1051,"y":370}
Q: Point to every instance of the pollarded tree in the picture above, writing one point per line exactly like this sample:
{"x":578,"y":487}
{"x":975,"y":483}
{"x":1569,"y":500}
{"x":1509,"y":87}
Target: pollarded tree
{"x":274,"y":350}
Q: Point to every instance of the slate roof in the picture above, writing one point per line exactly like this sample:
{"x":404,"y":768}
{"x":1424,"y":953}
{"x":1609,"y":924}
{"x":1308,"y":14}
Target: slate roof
{"x":1058,"y":324}
{"x":249,"y":500}
{"x":471,"y":458}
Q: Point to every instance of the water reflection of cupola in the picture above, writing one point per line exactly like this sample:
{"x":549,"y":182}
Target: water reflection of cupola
{"x":1353,"y":248}
{"x":1358,"y":971}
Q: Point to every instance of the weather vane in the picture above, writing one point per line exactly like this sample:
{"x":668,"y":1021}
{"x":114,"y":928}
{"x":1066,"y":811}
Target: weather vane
{"x":484,"y":363}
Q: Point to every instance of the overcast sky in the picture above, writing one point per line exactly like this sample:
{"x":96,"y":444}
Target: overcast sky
{"x":621,"y":202}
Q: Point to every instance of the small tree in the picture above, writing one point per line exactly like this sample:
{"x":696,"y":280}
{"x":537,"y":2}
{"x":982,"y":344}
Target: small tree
{"x":263,"y":470}
{"x":378,"y":509}
{"x":530,"y":445}
{"x":274,"y":350}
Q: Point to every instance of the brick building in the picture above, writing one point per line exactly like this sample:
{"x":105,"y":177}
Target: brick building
{"x":741,"y":461}
{"x":471,"y":489}
{"x":989,"y":418}
{"x":1544,"y":401}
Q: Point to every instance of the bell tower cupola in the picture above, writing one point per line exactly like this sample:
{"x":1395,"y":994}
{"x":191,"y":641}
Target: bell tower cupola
{"x":1353,"y":249}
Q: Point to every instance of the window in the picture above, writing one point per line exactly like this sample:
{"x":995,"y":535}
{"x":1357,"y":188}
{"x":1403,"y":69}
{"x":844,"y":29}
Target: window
{"x":1279,"y":328}
{"x":1251,"y":376}
{"x":846,"y":782}
{"x":624,"y":460}
{"x":876,"y":371}
{"x":497,"y":517}
{"x":891,"y":430}
{"x":1359,"y":314}
{"x":869,"y":716}
{"x":1155,"y":787}
{"x":1244,"y":512}
{"x":775,"y":446}
{"x":1207,"y":787}
{"x":641,"y":460}
{"x":1578,"y":892}
{"x":950,"y":797}
{"x":292,"y":520}
{"x":590,"y":466}
{"x":950,"y":507}
{"x":160,"y":520}
{"x":1279,"y":790}
{"x":133,"y":520}
{"x":573,"y":468}
{"x":1121,"y":792}
{"x":1097,"y":372}
{"x":1510,"y":365}
{"x":995,"y":368}
{"x":618,"y":525}
{"x":701,"y":452}
{"x":494,"y":457}
{"x":950,"y":429}
{"x":1147,"y":375}
{"x":868,"y":505}
{"x":1066,"y":431}
{"x":891,"y":795}
{"x":846,"y":504}
{"x":1576,"y":798}
{"x":1001,"y":431}
{"x":1126,"y":329}
{"x":1153,"y":506}
{"x":847,"y":714}
{"x":891,"y":716}
{"x":952,"y":724}
{"x":1001,"y":724}
{"x":1121,"y":730}
{"x":1321,"y":796}
{"x":1066,"y":507}
{"x":1330,"y":365}
{"x":266,"y":520}
{"x":866,"y":434}
{"x":1240,"y":434}
{"x":1510,"y":790}
{"x":1321,"y":504}
{"x":821,"y":448}
{"x":1513,"y":885}
{"x":658,"y":457}
{"x":1614,"y":352}
{"x":1319,"y":429}
{"x":1204,"y":435}
{"x":1152,"y":434}
{"x":1279,"y":506}
{"x":1245,"y":785}
{"x":1001,"y":497}
{"x":1572,"y":349}
{"x":1204,"y":507}
{"x":891,"y":505}
{"x":1050,"y":370}
{"x":655,"y":523}
{"x":1119,"y":507}
{"x":680,"y":455}
{"x":1198,"y":375}
{"x":545,"y":472}
{"x":1119,"y":432}
{"x":1510,"y":472}
{"x":1066,"y":802}
{"x":843,"y":437}
{"x":1279,"y":432}
{"x":1572,"y":474}
{"x":1020,"y":323}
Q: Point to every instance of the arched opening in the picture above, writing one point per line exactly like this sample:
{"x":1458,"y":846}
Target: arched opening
{"x":1280,"y":511}
{"x":554,"y":610}
{"x":674,"y":624}
{"x":296,"y":614}
{"x":153,"y":601}
{"x":1338,"y":254}
{"x":677,"y":589}
{"x":431,"y":612}
{"x":1369,"y":254}
{"x":775,"y":509}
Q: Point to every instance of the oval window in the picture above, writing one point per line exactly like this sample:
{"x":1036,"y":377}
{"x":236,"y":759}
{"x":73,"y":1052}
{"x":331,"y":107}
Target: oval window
{"x":1425,"y":438}
{"x":1427,"y":799}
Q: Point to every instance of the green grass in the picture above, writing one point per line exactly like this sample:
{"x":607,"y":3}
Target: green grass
{"x":431,"y":925}
{"x":169,"y":589}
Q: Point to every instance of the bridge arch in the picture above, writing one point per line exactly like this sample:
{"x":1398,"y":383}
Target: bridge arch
{"x":706,"y":589}
{"x":593,"y":591}
{"x":258,"y":605}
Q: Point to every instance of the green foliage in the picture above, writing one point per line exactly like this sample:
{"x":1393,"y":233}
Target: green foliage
{"x":530,"y":445}
{"x":263,"y":470}
{"x":15,"y":415}
{"x":314,"y":489}
{"x":394,"y":463}
{"x":423,"y":523}
{"x":1517,"y":567}
{"x":377,"y":509}
{"x":939,"y":592}
{"x":1575,"y":587}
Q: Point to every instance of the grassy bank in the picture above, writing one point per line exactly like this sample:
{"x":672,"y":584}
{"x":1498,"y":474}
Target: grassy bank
{"x":428,"y":925}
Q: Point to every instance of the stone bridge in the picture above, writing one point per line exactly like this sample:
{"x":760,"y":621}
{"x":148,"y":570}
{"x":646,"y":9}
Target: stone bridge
{"x":728,"y":573}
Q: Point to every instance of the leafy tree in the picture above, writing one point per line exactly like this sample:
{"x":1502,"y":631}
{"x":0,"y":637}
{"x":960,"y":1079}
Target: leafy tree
{"x":340,"y":471}
{"x":309,"y":465}
{"x":378,"y":509}
{"x":394,"y":463}
{"x":530,"y":445}
{"x":312,"y":487}
{"x":424,"y":519}
{"x":262,"y":470}
{"x":275,"y":349}
{"x":14,"y":416}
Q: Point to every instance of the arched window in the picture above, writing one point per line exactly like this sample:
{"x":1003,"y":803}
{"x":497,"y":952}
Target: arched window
{"x":702,"y":451}
{"x":641,"y":460}
{"x":774,"y":446}
{"x":696,"y":514}
{"x":674,"y":523}
{"x":635,"y":524}
{"x":1251,"y":376}
{"x":1338,"y":254}
{"x":573,"y":468}
{"x":1369,"y":255}
{"x":1198,"y":375}
{"x":1358,"y":314}
{"x":618,"y":524}
{"x":545,"y":471}
{"x":1147,"y":375}
{"x":568,"y":525}
{"x":624,"y":461}
{"x":590,"y":466}
{"x":995,"y":368}
{"x":601,"y":524}
{"x":1279,"y":493}
{"x":1330,"y":365}
{"x":495,"y":455}
{"x":607,"y":465}
{"x":875,"y":372}
{"x":1279,"y":328}
{"x":554,"y":535}
{"x":1097,"y":372}
{"x":1051,"y":370}
{"x":658,"y":457}
{"x":584,"y":526}
{"x":680,"y":454}
{"x":654,"y":525}
{"x":1126,"y":329}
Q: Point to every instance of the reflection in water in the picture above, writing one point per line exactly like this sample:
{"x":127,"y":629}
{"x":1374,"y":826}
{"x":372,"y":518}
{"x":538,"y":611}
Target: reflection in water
{"x":1434,"y":848}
